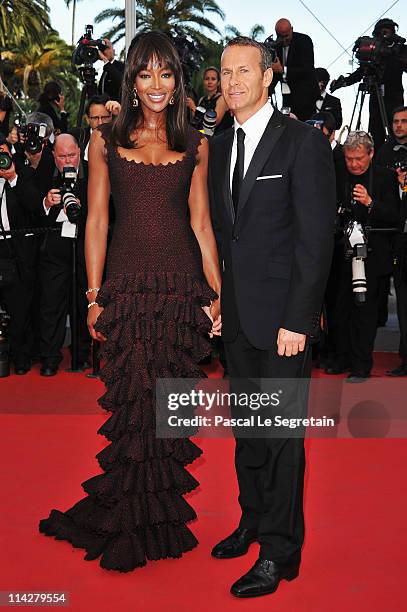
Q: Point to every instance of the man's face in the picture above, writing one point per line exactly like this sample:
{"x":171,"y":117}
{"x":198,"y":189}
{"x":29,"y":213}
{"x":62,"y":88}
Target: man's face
{"x":98,"y":115}
{"x":285,"y":32}
{"x":66,"y":154}
{"x":385,"y":32}
{"x":322,"y":86}
{"x":244,"y":86}
{"x":358,"y":159}
{"x":400,"y":126}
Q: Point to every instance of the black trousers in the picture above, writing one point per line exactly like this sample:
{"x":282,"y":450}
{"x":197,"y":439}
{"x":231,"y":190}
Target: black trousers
{"x":55,"y":271}
{"x":17,"y":298}
{"x":270,"y":472}
{"x":352,"y":327}
{"x":303,"y":110}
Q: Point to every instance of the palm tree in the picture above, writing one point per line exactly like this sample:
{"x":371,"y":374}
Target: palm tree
{"x":68,"y":3}
{"x":35,"y":64}
{"x":22,"y":21}
{"x":255,"y":32}
{"x":182,"y":16}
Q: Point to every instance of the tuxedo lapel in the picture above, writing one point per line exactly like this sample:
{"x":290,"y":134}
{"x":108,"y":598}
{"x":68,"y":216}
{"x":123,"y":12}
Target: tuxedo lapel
{"x":227,"y":154}
{"x":273,"y":132}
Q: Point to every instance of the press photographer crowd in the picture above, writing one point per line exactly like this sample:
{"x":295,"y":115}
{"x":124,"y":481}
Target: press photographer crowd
{"x":43,"y":186}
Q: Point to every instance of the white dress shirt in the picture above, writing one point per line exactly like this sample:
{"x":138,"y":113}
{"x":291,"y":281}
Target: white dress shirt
{"x":254,"y":129}
{"x":4,"y":216}
{"x":319,"y":103}
{"x":86,"y":152}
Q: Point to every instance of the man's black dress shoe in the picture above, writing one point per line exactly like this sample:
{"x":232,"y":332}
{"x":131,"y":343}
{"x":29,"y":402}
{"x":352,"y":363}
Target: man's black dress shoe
{"x":21,"y":368}
{"x":357,"y":377}
{"x":400,"y":371}
{"x":263,"y":578}
{"x":235,"y":545}
{"x":48,"y":370}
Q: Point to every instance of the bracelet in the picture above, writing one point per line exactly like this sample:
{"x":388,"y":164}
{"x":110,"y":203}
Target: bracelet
{"x":92,"y":304}
{"x":90,"y":290}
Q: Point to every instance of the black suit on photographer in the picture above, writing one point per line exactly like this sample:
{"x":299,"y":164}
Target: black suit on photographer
{"x":19,"y":201}
{"x":371,"y":199}
{"x":56,"y":262}
{"x":393,"y":155}
{"x":296,"y":71}
{"x":110,"y":82}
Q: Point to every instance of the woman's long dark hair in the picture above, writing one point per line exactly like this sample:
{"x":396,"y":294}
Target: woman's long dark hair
{"x":143,"y":48}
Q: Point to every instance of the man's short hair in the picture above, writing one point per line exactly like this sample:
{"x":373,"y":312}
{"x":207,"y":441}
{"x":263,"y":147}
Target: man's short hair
{"x":399,"y":109}
{"x":323,"y":75}
{"x":358,"y":138}
{"x":244,"y":41}
{"x":328,"y":120}
{"x":3,"y":141}
{"x":42,"y":118}
{"x":99,"y":99}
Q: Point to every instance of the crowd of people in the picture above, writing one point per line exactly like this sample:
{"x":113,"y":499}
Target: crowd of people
{"x":370,"y":190}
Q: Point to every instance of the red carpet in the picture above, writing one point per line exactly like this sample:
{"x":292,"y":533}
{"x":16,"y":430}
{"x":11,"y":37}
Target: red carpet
{"x":354,"y":556}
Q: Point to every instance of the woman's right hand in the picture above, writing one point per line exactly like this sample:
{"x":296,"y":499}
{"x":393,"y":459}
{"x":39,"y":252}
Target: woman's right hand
{"x":93,"y":314}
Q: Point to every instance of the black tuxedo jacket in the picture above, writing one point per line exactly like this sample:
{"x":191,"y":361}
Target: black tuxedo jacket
{"x":277,"y":252}
{"x":111,"y":80}
{"x":332,"y":105}
{"x":300,"y":70}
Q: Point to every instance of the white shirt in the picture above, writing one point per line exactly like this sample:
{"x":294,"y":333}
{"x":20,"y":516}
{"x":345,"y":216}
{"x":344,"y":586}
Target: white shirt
{"x":85,"y":153}
{"x":319,"y":103}
{"x":254,"y":129}
{"x":4,"y":216}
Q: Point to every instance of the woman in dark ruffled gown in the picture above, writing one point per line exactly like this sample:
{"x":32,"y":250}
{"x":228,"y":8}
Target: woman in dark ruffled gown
{"x":154,"y":312}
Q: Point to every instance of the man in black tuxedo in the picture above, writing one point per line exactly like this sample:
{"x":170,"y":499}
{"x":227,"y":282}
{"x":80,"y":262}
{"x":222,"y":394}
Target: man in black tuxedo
{"x":327,"y":103}
{"x":110,"y":82}
{"x":19,"y":201}
{"x":55,"y":265}
{"x":296,"y":71}
{"x":371,"y":199}
{"x":272,"y":192}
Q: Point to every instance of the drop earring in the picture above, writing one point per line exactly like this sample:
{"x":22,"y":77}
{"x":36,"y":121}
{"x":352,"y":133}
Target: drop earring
{"x":172,"y":100}
{"x":134,"y":101}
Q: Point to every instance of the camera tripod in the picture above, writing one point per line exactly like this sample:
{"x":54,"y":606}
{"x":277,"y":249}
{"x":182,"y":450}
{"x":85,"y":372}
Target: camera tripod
{"x":369,"y":85}
{"x":89,"y":89}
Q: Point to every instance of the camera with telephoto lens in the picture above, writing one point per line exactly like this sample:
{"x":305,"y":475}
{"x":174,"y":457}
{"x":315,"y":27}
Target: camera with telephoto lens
{"x":86,"y":50}
{"x":67,"y":190}
{"x":356,"y":248}
{"x":6,"y":160}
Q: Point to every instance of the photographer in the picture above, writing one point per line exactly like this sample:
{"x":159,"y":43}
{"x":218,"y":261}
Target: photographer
{"x":55,"y":266}
{"x":51,"y":100}
{"x":385,"y":64}
{"x":213,"y":99}
{"x":393,"y":155}
{"x":371,"y":199}
{"x":295,"y":69}
{"x":18,"y":200}
{"x":111,"y":80}
{"x":326,"y":102}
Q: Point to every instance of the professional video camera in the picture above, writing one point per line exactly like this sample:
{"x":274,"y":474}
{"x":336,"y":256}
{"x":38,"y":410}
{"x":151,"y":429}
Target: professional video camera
{"x":272,"y":45}
{"x":6,"y":160}
{"x":68,"y":198}
{"x":86,"y":50}
{"x":191,"y":55}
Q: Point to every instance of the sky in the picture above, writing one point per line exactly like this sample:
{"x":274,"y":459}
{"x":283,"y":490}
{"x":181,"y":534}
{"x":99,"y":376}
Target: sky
{"x":345,"y":19}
